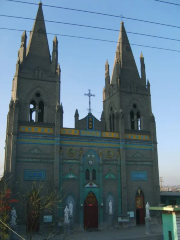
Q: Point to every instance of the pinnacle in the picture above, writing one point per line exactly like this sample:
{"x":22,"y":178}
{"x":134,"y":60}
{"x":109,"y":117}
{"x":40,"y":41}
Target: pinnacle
{"x":24,"y":33}
{"x":107,"y":62}
{"x":141,"y":56}
{"x":55,"y":39}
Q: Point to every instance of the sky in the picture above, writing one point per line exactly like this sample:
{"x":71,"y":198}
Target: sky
{"x":83,"y":61}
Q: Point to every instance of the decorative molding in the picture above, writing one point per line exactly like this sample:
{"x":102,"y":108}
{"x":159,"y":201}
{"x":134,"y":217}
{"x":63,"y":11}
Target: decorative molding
{"x":110,"y":162}
{"x":109,"y":153}
{"x":110,"y":134}
{"x":28,"y":123}
{"x":70,"y":176}
{"x":30,"y":129}
{"x":91,"y":185}
{"x":71,"y":161}
{"x":139,"y":163}
{"x":35,"y":160}
{"x":90,"y":123}
{"x":136,"y":137}
{"x":90,"y":133}
{"x":110,"y":176}
{"x":35,"y":151}
{"x":82,"y":143}
{"x":71,"y":152}
{"x":69,"y":131}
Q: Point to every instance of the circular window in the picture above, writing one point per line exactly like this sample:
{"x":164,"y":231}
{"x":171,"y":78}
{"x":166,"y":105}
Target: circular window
{"x":38,"y":94}
{"x":134,"y":106}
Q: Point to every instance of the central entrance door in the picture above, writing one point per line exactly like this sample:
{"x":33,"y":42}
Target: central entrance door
{"x":140,"y":210}
{"x":90,"y":211}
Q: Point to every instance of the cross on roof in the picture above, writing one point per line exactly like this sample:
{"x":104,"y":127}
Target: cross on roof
{"x":89,"y":95}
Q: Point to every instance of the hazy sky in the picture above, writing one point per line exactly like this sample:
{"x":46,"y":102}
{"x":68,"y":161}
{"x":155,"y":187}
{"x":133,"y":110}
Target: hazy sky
{"x":82,"y":62}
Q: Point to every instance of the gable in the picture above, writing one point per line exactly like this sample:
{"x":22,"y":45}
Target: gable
{"x":110,"y":176}
{"x":91,"y":185}
{"x":70,"y":176}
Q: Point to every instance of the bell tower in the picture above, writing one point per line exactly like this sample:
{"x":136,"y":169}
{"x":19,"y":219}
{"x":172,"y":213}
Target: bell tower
{"x":35,"y":100}
{"x":127,"y":110}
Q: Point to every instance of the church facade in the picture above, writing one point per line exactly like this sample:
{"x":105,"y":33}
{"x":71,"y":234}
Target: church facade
{"x":106,"y":168}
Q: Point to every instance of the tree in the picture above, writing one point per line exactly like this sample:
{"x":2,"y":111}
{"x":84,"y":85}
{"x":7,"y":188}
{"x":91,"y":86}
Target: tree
{"x":36,"y":201}
{"x":4,"y":209}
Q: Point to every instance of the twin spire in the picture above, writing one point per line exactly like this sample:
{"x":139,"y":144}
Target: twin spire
{"x":37,"y":52}
{"x":124,"y":64}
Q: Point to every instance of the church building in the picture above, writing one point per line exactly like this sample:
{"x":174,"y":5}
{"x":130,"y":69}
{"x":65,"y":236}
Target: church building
{"x":105,"y":168}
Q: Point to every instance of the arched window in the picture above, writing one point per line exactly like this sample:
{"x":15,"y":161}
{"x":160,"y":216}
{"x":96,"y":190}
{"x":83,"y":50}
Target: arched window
{"x":32,"y":113}
{"x":93,"y":174}
{"x":132,"y":120}
{"x":87,"y":174}
{"x":138,"y":121}
{"x":41,"y":112}
{"x":111,"y":121}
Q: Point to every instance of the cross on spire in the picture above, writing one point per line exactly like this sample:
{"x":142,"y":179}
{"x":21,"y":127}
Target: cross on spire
{"x":89,"y":95}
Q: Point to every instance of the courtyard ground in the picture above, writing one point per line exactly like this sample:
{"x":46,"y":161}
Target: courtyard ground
{"x":137,"y":232}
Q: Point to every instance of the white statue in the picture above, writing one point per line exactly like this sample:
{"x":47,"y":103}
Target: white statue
{"x":13,"y":217}
{"x":110,"y":207}
{"x":147,"y":210}
{"x":71,"y":209}
{"x":66,"y":215}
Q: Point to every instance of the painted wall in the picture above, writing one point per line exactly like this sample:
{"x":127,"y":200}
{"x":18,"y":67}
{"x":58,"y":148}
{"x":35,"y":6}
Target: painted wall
{"x":169,"y":225}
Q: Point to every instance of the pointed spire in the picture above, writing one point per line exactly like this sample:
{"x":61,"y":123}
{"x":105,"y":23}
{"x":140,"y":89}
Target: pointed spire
{"x":76,"y":113}
{"x":76,"y":118}
{"x":107,"y":77}
{"x":55,"y":54}
{"x":141,"y":56}
{"x":143,"y":71}
{"x":38,"y":49}
{"x":107,"y":68}
{"x":22,"y":49}
{"x":126,"y":60}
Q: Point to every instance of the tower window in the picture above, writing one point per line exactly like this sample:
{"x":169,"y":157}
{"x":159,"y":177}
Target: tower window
{"x":32,"y":114}
{"x":41,"y":112}
{"x":132,"y":120}
{"x":93,"y":174}
{"x":87,"y":174}
{"x":110,"y":123}
{"x":111,"y":120}
{"x":138,"y":121}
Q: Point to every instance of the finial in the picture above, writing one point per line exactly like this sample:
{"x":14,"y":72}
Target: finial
{"x":55,"y":39}
{"x":141,"y":56}
{"x":107,"y":62}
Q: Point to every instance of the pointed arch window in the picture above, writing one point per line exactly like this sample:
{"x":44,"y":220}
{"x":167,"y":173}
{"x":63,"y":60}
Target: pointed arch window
{"x":87,"y":174}
{"x":93,"y":174}
{"x":138,"y":121}
{"x":132,"y":120}
{"x":41,"y":112}
{"x":111,"y":120}
{"x":32,"y":111}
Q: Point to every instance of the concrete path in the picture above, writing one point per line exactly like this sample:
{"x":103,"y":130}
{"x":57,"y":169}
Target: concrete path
{"x":105,"y":234}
